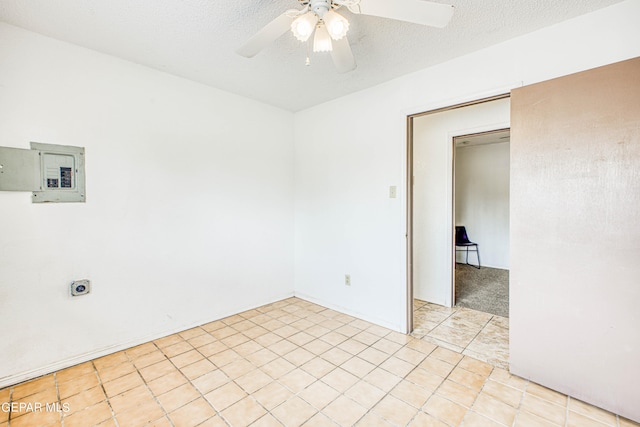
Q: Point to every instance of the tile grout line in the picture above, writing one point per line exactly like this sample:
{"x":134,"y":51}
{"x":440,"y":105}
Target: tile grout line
{"x":155,"y":398}
{"x":10,"y":408}
{"x":519,"y":407}
{"x":108,"y":400}
{"x":55,"y":381}
{"x":470,"y":410}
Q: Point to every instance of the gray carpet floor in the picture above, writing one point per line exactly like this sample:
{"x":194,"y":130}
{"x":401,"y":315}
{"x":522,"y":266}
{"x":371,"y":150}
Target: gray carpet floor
{"x":484,"y":290}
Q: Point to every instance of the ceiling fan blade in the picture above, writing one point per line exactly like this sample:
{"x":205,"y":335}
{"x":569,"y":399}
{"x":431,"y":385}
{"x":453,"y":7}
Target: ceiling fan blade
{"x":417,"y":11}
{"x":342,"y":55}
{"x":267,"y":35}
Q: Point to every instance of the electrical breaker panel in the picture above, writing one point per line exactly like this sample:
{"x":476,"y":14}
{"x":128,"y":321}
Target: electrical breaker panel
{"x":59,"y":170}
{"x":61,"y":173}
{"x":54,"y":173}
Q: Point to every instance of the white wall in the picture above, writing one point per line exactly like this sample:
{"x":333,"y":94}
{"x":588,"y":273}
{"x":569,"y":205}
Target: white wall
{"x":482,"y":201}
{"x":350,"y":150}
{"x":433,"y":230}
{"x":189,"y":206}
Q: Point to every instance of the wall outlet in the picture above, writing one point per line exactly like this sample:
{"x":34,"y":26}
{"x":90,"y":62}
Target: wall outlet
{"x":347,"y":279}
{"x":80,"y":287}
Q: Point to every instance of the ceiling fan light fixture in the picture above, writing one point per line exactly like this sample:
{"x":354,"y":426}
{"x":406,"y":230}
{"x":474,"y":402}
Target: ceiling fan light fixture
{"x":337,"y":25}
{"x":302,"y":27}
{"x":330,"y":27}
{"x":322,"y":39}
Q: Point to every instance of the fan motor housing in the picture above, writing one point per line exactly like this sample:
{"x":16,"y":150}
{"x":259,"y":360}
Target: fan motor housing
{"x":320,"y":7}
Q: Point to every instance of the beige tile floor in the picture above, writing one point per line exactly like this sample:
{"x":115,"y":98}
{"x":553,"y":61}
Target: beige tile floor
{"x":292,"y":363}
{"x":482,"y":336}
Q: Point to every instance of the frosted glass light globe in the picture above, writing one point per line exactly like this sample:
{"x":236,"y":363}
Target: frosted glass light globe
{"x":337,"y":25}
{"x":302,"y":27}
{"x":322,"y":40}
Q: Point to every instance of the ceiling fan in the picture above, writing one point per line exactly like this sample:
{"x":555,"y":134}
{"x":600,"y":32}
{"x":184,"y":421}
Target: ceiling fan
{"x":330,"y":28}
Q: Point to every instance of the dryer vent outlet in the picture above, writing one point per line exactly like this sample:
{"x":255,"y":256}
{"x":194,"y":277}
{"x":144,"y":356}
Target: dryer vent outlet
{"x":80,"y":287}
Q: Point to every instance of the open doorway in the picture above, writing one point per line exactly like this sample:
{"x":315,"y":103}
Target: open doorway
{"x":434,"y":316}
{"x":481,"y":218}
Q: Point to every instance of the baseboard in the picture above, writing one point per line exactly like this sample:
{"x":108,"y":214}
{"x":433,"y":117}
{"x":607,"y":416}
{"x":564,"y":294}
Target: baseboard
{"x":486,"y":265}
{"x":352,"y":313}
{"x":85,"y":357}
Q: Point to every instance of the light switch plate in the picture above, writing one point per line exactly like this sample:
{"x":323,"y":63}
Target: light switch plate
{"x":393,"y":191}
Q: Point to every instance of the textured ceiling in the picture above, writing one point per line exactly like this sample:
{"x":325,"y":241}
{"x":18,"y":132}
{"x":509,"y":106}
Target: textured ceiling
{"x":196,"y":39}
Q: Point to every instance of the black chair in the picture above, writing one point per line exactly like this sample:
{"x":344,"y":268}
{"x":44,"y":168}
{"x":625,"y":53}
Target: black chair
{"x":462,"y":240}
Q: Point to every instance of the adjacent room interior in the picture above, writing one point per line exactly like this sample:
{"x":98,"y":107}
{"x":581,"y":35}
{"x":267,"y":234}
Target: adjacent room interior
{"x":254,"y":249}
{"x":454,"y":306}
{"x":481,"y":188}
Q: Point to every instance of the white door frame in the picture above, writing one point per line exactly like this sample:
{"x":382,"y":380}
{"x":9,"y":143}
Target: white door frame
{"x":409,"y":189}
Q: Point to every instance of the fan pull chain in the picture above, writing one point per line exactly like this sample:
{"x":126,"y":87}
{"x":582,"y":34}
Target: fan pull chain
{"x":307,"y":62}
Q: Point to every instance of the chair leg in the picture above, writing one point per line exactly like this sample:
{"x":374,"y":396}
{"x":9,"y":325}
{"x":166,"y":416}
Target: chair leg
{"x":478,"y":255}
